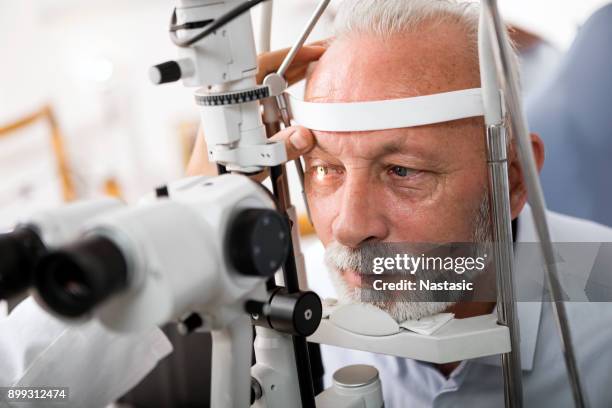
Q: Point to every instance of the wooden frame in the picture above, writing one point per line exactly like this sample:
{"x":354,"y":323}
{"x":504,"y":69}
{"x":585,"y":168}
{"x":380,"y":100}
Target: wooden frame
{"x":63,"y":168}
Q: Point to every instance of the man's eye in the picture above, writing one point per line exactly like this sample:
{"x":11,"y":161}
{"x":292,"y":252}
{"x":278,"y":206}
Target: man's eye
{"x":324,"y":173}
{"x":321,"y":171}
{"x":401,"y":171}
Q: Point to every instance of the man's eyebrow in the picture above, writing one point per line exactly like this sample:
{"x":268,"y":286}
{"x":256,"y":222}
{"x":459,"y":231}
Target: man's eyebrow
{"x":386,"y":149}
{"x":400,"y":147}
{"x":319,"y":149}
{"x":391,"y":148}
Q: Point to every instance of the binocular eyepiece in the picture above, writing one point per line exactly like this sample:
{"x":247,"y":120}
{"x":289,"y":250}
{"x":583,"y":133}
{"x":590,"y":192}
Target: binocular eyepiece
{"x":74,"y":279}
{"x":19,"y":253}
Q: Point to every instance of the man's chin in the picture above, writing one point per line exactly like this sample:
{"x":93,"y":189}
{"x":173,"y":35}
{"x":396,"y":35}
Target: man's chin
{"x":351,"y":278}
{"x":348,"y":284}
{"x":402,"y":311}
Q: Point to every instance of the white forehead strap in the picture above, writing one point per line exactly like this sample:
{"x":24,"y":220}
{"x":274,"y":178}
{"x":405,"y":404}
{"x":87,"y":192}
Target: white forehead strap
{"x":387,"y":114}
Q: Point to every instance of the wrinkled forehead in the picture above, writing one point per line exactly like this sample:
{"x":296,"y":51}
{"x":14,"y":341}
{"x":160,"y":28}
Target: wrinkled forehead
{"x":436,"y":145}
{"x":363,"y":67}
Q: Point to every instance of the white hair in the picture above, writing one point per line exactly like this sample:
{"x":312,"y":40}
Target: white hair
{"x":386,"y":17}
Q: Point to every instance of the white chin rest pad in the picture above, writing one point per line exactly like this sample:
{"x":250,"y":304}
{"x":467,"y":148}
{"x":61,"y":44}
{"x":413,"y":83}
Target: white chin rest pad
{"x":428,"y":325}
{"x":364,"y":319}
{"x":369,"y":320}
{"x":387,"y":114}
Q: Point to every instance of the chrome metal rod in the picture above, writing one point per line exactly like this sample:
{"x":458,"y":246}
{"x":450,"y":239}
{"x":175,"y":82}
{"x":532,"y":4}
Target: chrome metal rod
{"x":284,"y":117}
{"x":282,"y":70}
{"x":503,"y":254}
{"x":518,"y":125}
{"x":302,"y":39}
{"x":300,"y":172}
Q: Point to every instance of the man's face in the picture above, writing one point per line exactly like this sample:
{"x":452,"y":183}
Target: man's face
{"x":421,"y":184}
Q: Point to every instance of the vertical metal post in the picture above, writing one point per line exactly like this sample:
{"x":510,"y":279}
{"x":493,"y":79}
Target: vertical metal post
{"x":282,"y":70}
{"x":503,"y":255}
{"x":518,"y":126}
{"x":291,"y":280}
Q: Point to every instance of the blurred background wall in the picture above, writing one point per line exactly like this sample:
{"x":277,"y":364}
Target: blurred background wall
{"x":88,"y":61}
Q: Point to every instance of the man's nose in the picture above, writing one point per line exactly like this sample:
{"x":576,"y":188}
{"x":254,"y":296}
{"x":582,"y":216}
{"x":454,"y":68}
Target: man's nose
{"x":360,"y":217}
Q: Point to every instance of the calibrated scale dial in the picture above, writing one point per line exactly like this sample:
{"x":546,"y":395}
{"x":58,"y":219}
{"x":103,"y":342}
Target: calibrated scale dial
{"x":231,"y":98}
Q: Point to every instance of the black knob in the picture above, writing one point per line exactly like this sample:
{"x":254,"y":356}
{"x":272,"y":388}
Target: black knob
{"x":19,"y":252}
{"x":162,"y":192}
{"x":72,"y":280}
{"x":296,"y":313}
{"x":258,"y":242}
{"x":165,"y":72}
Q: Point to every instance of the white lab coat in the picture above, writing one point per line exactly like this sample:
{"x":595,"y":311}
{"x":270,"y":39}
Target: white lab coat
{"x":97,"y":365}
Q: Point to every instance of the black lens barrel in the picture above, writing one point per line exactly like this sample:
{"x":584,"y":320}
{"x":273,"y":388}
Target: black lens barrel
{"x":78,"y":277}
{"x":19,"y":252}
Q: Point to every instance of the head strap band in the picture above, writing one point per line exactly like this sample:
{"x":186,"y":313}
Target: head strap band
{"x":387,"y":114}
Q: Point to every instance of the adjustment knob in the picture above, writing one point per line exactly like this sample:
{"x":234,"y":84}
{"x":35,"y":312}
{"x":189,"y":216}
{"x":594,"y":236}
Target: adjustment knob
{"x":165,"y":72}
{"x":296,"y":313}
{"x":258,"y":242}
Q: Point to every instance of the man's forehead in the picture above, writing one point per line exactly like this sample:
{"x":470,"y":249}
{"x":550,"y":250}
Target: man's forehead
{"x":364,"y":67}
{"x":422,"y":143}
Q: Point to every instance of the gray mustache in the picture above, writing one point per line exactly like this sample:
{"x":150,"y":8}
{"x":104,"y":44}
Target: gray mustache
{"x":361,"y":259}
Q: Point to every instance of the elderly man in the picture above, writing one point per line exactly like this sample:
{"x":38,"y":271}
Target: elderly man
{"x":429,"y":184}
{"x":419,"y":184}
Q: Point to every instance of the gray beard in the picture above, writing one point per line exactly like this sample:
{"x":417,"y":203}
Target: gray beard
{"x":339,"y":257}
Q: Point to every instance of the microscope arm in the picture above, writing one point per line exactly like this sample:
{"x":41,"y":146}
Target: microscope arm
{"x":231,"y":364}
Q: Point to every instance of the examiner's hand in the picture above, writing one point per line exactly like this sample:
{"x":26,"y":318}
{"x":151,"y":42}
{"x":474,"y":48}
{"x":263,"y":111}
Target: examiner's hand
{"x":298,"y":141}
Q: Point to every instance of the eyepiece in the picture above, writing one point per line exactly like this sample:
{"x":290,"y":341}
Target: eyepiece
{"x":73,"y":280}
{"x":19,"y":252}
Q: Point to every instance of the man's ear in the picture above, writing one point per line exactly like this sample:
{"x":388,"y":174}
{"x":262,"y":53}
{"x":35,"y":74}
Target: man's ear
{"x":518,"y":189}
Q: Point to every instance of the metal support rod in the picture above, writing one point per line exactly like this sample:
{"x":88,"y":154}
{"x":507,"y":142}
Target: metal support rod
{"x":518,"y":126}
{"x":284,"y":117}
{"x":503,"y":255}
{"x":282,"y":70}
{"x":271,"y":121}
{"x":300,"y":348}
{"x":302,"y":39}
{"x":300,"y":172}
